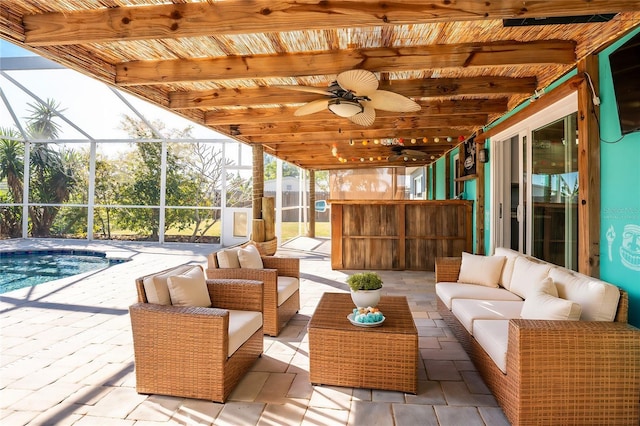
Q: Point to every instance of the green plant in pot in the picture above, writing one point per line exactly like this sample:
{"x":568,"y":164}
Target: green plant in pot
{"x":365,"y":289}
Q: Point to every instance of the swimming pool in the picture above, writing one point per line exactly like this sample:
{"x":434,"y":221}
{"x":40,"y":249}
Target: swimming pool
{"x":20,"y":269}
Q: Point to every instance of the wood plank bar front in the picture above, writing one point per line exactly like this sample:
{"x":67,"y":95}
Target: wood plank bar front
{"x":398,"y":234}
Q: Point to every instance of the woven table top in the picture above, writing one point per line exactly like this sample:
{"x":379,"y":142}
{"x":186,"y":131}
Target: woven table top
{"x":333,"y":309}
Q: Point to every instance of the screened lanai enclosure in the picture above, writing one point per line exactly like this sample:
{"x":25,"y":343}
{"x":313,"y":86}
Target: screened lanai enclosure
{"x":79,"y":159}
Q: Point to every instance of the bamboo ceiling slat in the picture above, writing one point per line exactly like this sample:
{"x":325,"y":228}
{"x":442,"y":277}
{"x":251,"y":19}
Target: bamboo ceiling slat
{"x":360,"y":26}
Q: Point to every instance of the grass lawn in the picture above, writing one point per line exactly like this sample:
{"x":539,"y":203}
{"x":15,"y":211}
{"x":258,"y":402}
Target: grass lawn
{"x":289,"y":230}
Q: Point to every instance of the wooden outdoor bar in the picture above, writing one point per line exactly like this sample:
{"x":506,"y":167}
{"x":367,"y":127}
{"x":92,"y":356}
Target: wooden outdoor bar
{"x":398,"y":234}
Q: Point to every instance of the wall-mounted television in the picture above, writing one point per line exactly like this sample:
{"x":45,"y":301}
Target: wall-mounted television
{"x":625,"y":71}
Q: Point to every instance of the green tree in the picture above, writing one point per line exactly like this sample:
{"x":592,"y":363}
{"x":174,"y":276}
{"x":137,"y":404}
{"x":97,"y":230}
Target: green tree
{"x":270,"y":165}
{"x":144,"y":171}
{"x":51,"y":178}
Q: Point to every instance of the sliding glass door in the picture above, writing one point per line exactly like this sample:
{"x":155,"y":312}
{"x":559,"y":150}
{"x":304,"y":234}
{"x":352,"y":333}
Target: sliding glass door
{"x":534,"y":185}
{"x":554,"y":192}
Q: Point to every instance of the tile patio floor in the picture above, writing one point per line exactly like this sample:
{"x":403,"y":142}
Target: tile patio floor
{"x":67,"y":355}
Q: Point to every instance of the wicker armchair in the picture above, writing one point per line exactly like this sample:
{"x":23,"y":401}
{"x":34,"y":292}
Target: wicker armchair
{"x":276,"y":313}
{"x":183,"y":351}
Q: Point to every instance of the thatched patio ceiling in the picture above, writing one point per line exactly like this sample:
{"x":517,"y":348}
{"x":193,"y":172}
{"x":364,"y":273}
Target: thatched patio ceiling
{"x":219,"y":62}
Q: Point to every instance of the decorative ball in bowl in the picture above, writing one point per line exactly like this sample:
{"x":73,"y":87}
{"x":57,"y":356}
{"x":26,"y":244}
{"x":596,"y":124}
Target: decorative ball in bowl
{"x":367,"y":315}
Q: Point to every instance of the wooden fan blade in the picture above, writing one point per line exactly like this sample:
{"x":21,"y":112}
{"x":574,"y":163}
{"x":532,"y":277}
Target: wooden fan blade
{"x":312,"y":107}
{"x":360,"y":82}
{"x":309,"y":89}
{"x":366,"y":117}
{"x":390,"y":101}
{"x":414,"y":153}
{"x":394,"y":157}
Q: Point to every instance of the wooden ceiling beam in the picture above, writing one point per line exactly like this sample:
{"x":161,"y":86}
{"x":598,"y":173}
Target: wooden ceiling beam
{"x":286,"y":114}
{"x":499,"y":53}
{"x":264,"y":16}
{"x":420,"y":88}
{"x":334,"y":136}
{"x":343,"y":125}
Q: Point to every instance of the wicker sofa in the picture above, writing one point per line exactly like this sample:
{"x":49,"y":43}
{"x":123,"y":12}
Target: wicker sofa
{"x":281,"y":278}
{"x":584,"y":371}
{"x":194,"y":351}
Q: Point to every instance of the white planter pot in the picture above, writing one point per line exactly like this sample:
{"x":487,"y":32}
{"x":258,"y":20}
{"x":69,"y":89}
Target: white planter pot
{"x":366,"y":298}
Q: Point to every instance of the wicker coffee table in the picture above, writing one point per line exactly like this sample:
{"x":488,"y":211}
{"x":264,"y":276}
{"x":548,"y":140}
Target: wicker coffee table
{"x":342,"y":354}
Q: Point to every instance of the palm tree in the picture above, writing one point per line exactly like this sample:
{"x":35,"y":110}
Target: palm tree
{"x":11,"y":170}
{"x":12,"y":162}
{"x":51,"y":181}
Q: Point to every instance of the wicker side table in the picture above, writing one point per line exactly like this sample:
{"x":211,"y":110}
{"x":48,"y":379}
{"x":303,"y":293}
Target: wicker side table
{"x":343,"y":354}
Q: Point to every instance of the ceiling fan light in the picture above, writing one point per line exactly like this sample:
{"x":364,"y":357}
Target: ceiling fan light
{"x":345,"y":108}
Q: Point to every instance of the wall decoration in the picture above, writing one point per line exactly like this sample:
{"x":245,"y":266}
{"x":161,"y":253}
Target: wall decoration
{"x":469,"y":164}
{"x":629,"y":247}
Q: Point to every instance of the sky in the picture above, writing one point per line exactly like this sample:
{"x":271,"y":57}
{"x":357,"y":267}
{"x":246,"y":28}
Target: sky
{"x":88,"y":103}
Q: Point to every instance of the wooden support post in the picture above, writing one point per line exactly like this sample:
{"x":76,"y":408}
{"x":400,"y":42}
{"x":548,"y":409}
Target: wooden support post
{"x":258,"y":180}
{"x":447,"y":176}
{"x":257,"y":234}
{"x":588,"y":171}
{"x":269,"y":217}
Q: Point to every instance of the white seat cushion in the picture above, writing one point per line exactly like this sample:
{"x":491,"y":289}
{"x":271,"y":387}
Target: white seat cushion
{"x":493,"y":336}
{"x":467,"y":311}
{"x":450,"y":291}
{"x":481,"y":270}
{"x":155,"y":286}
{"x":598,"y":299}
{"x":286,"y":287}
{"x":242,"y":325}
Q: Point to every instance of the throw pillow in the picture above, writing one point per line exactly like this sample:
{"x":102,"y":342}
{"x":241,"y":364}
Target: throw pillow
{"x":228,"y":258}
{"x":481,"y":270}
{"x":527,"y":275}
{"x":249,"y":257}
{"x":155,"y":286}
{"x":547,"y":307}
{"x":189,"y":289}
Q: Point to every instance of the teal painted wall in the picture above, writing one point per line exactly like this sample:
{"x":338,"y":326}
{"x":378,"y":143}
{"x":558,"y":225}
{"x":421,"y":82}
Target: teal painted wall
{"x":620,"y":190}
{"x":620,"y":194}
{"x":441,"y":180}
{"x":452,"y":165}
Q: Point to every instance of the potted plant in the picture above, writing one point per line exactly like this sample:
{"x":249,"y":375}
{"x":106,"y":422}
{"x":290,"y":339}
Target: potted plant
{"x":365,"y":289}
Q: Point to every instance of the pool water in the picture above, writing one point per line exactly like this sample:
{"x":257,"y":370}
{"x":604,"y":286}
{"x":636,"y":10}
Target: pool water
{"x":25,"y":269}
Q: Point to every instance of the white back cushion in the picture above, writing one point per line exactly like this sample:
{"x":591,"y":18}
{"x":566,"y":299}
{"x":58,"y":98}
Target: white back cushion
{"x":228,"y":258}
{"x":598,"y":299}
{"x":189,"y":288}
{"x":507,"y":269}
{"x":481,"y":270}
{"x":155,"y":286}
{"x":527,"y":275}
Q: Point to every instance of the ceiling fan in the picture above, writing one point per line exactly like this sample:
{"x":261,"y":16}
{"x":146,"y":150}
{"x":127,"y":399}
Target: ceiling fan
{"x":355,"y":95}
{"x":402,"y":153}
